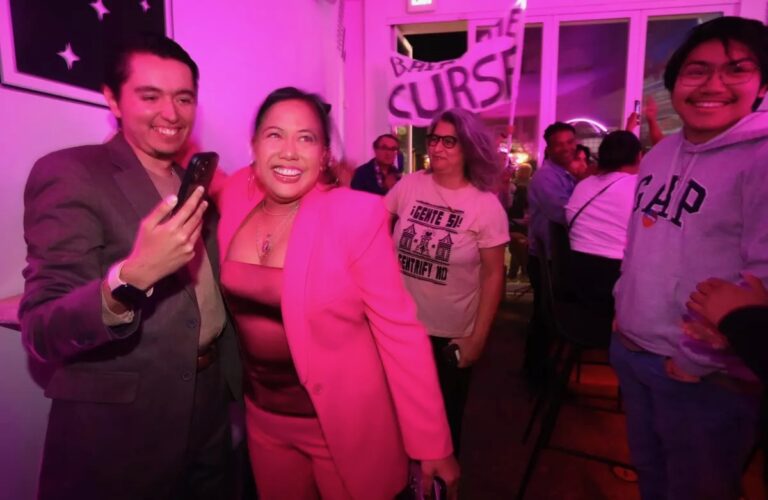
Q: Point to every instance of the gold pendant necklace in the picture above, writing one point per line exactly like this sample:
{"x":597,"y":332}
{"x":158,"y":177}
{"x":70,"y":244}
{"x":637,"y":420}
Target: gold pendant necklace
{"x":267,"y":242}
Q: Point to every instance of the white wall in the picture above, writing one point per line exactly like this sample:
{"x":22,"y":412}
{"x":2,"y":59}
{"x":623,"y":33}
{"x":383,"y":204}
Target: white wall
{"x":357,"y":149}
{"x":247,"y":49}
{"x":30,"y":126}
{"x":244,"y":50}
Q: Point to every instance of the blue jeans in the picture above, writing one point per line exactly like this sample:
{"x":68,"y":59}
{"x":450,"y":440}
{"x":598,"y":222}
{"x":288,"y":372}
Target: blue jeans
{"x":687,"y":440}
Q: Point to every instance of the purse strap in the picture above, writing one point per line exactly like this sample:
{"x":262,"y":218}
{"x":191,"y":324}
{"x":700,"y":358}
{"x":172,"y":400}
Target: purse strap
{"x":578,"y":212}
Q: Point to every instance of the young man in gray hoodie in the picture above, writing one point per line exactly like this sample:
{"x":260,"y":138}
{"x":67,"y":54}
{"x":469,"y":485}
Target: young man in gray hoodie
{"x":701,"y":210}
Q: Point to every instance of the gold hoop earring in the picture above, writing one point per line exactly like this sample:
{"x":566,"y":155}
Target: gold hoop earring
{"x":251,"y":188}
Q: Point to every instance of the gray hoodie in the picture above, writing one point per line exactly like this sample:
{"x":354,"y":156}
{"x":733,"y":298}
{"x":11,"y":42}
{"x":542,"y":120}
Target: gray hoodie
{"x":714,"y":223}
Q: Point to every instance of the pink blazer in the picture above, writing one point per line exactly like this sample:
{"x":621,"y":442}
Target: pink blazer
{"x":352,"y":330}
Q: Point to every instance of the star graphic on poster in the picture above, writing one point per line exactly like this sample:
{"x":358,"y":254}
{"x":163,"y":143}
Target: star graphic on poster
{"x":69,"y":56}
{"x":98,"y":6}
{"x":144,"y":5}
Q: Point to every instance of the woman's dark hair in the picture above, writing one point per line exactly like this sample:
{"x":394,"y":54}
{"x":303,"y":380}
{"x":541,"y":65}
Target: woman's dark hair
{"x":481,"y":164}
{"x":749,"y":32}
{"x":586,"y":150}
{"x":321,"y":108}
{"x":117,"y":63}
{"x":618,"y":149}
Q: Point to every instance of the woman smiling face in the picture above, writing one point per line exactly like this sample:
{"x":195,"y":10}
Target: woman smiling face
{"x":289,"y":150}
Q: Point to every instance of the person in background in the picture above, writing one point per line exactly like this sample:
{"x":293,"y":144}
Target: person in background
{"x":382,"y":171}
{"x":598,"y":215}
{"x":582,"y":165}
{"x":517,"y":214}
{"x":548,"y":192}
{"x":505,"y":190}
{"x":450,"y":235}
{"x":341,"y":387}
{"x":699,"y":211}
{"x":121,"y":300}
{"x":651,"y":115}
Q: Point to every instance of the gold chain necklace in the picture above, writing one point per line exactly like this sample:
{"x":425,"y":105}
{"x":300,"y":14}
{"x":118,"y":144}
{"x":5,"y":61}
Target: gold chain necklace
{"x":267,"y":242}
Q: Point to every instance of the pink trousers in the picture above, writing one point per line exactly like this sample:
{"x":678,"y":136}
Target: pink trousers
{"x":290,"y":458}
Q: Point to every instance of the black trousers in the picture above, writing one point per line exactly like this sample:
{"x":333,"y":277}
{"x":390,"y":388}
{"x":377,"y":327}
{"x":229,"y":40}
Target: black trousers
{"x":537,"y":340}
{"x":209,"y":469}
{"x":591,"y":280}
{"x":454,"y":384}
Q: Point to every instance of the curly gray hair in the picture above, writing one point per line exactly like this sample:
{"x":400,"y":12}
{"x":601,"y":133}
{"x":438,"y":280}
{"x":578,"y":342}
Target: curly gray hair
{"x":481,"y":163}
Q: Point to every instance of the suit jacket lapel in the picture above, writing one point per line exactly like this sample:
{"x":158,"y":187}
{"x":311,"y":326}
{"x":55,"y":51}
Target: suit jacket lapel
{"x":295,"y":272}
{"x":132,"y":178}
{"x":134,"y":181}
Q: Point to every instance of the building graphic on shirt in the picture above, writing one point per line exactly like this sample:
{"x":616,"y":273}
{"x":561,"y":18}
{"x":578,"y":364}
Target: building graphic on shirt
{"x":444,"y":248}
{"x":423,"y":246}
{"x":429,"y":240}
{"x":406,"y":239}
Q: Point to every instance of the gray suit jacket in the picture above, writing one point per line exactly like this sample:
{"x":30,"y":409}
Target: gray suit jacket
{"x":122,"y":396}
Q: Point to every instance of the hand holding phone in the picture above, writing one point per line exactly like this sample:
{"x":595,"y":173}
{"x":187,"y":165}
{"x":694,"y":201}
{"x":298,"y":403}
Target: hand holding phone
{"x":452,"y":355}
{"x":163,"y":242}
{"x":199,"y":172}
{"x":439,"y":489}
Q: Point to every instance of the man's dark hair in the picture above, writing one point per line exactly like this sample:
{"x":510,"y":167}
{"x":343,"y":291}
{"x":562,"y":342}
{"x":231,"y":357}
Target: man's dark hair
{"x":618,"y":149}
{"x":321,"y":108}
{"x":117,"y":64}
{"x":558,"y":127}
{"x":379,"y":138}
{"x":753,"y":34}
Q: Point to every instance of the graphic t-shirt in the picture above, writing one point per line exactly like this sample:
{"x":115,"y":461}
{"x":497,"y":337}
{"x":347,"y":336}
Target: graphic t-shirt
{"x":438,"y":237}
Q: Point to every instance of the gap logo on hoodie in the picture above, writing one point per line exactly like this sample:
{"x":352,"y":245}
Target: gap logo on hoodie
{"x":668,"y":202}
{"x":700,"y":211}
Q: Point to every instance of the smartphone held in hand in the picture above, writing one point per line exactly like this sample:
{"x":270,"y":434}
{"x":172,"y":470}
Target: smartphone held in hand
{"x":439,"y":489}
{"x":451,"y":355}
{"x":415,"y":490}
{"x":199,"y":172}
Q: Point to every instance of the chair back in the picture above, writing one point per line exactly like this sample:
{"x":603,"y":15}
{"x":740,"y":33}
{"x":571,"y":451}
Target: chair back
{"x":562,"y":311}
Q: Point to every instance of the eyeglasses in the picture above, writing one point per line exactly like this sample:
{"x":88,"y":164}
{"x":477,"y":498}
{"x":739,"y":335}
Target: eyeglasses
{"x":449,"y":141}
{"x":732,"y":73}
{"x":391,"y":148}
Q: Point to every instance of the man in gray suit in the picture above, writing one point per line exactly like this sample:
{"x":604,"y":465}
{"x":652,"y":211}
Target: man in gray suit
{"x":121,"y":300}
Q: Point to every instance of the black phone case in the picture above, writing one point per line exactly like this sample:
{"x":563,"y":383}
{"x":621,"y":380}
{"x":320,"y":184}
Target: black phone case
{"x":449,"y":355}
{"x":439,"y":489}
{"x":199,"y":172}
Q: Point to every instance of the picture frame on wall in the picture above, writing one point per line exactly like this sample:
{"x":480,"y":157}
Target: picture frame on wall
{"x":58,"y":47}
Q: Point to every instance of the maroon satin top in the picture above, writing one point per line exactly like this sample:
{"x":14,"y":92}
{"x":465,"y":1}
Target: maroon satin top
{"x":253,"y":293}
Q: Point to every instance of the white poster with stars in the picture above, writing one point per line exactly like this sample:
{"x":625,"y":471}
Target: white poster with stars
{"x":58,"y":47}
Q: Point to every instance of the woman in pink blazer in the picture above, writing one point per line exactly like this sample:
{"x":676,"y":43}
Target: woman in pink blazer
{"x":341,"y":384}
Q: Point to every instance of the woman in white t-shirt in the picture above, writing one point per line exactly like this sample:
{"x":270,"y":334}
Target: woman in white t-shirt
{"x":450,"y":237}
{"x":598,"y":215}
